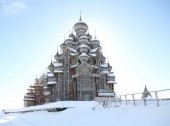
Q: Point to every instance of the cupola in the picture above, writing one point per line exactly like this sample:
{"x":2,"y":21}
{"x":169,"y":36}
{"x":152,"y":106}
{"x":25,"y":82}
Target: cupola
{"x":83,"y":48}
{"x":69,"y":41}
{"x":83,"y":58}
{"x":51,"y":67}
{"x":57,"y":56}
{"x":83,"y":39}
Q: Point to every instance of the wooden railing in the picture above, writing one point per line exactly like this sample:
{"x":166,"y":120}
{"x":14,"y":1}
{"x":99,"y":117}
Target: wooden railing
{"x":134,"y":98}
{"x":156,"y":96}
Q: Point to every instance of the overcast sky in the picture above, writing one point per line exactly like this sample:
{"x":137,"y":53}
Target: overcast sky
{"x":134,"y":35}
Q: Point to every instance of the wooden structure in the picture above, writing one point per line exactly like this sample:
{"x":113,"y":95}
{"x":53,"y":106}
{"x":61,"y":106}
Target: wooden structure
{"x":80,"y":70}
{"x":35,"y":94}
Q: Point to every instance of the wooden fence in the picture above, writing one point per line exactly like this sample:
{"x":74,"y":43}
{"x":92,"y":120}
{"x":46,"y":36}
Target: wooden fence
{"x":155,"y":96}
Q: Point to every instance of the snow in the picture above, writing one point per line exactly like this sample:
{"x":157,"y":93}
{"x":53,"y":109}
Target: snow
{"x":94,"y":55}
{"x":111,"y":82}
{"x":50,"y":74}
{"x":104,"y":72}
{"x":74,"y":66}
{"x":104,"y":65}
{"x":106,"y":94}
{"x":52,"y":82}
{"x":72,"y":54}
{"x":83,"y":46}
{"x":28,"y":95}
{"x":29,"y":99}
{"x":111,"y":74}
{"x":94,"y":50}
{"x":83,"y":37}
{"x":72,"y":49}
{"x":83,"y":55}
{"x":57,"y":64}
{"x":69,"y":38}
{"x":47,"y":93}
{"x":58,"y":71}
{"x":81,"y":113}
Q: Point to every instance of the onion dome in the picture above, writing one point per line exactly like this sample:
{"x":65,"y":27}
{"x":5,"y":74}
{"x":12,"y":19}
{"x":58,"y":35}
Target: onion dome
{"x":36,"y":80}
{"x":69,"y":41}
{"x":72,"y":35}
{"x":80,"y":26}
{"x":41,"y":79}
{"x":45,"y":79}
{"x":95,"y":42}
{"x":89,"y":36}
{"x":83,"y":58}
{"x":62,"y":46}
{"x":100,"y":47}
{"x":83,"y":48}
{"x":110,"y":67}
{"x":83,"y":39}
{"x":57,"y":56}
{"x":51,"y":67}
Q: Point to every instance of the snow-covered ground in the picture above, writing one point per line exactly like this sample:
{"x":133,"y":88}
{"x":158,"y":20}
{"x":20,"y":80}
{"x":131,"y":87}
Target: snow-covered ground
{"x":81,"y":113}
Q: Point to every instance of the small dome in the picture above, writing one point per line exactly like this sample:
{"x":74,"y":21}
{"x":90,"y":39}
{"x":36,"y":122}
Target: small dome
{"x":80,"y":33}
{"x":83,"y":39}
{"x":83,"y":48}
{"x":95,"y":42}
{"x":110,"y":67}
{"x":51,"y":67}
{"x":89,"y":36}
{"x":83,"y":58}
{"x":42,"y":77}
{"x":80,"y":26}
{"x":62,"y":46}
{"x":72,"y":35}
{"x":45,"y":79}
{"x":57,"y":56}
{"x":69,"y":41}
{"x":100,"y":47}
{"x":36,"y":80}
{"x":103,"y":59}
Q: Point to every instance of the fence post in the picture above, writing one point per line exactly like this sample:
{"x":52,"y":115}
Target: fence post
{"x":144,"y":101}
{"x":133,"y":99}
{"x":157,"y":100}
{"x":115,"y":102}
{"x":126,"y":99}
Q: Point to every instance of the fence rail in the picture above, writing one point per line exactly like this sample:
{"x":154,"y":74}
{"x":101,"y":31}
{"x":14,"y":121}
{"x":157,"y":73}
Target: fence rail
{"x":154,"y":97}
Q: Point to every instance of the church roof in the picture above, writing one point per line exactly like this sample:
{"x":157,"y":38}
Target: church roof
{"x":80,"y":26}
{"x":146,"y":93}
{"x":106,"y":94}
{"x":51,"y":82}
{"x":58,"y":64}
{"x":50,"y":74}
{"x":57,"y":56}
{"x":104,"y":72}
{"x":111,"y":74}
{"x":94,"y":55}
{"x":72,"y":49}
{"x":112,"y":82}
{"x":104,"y":65}
{"x":83,"y":56}
{"x":94,"y":50}
{"x":51,"y":66}
{"x":58,"y":71}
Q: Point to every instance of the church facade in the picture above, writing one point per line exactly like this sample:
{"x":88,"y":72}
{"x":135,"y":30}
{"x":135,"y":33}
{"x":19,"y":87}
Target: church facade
{"x":78,"y":72}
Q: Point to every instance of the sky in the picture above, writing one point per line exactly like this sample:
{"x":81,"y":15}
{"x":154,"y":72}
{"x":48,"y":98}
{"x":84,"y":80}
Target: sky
{"x":134,"y":35}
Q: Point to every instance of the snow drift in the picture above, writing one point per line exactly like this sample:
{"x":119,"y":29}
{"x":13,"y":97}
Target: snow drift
{"x":81,"y":113}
